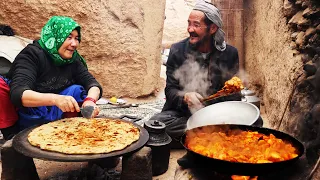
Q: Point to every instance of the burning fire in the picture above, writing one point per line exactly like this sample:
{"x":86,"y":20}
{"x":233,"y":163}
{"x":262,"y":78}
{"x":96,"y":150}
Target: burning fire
{"x":236,"y":177}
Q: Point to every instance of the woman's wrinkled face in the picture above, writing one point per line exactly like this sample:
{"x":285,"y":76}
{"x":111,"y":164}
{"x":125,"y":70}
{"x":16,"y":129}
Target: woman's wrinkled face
{"x":69,"y":45}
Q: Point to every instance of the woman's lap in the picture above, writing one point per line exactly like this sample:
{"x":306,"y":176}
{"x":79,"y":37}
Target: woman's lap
{"x":43,"y":114}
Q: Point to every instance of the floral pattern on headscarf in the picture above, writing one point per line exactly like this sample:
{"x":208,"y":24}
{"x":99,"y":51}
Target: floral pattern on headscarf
{"x":54,"y":33}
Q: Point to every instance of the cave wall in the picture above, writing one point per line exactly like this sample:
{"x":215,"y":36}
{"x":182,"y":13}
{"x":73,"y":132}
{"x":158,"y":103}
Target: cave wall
{"x":121,"y":39}
{"x":282,"y":60}
{"x":270,"y":64}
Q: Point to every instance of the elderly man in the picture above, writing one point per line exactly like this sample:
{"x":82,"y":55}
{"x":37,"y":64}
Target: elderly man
{"x":197,"y":67}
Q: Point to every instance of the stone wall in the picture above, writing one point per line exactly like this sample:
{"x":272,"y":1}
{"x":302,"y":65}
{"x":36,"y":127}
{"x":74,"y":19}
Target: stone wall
{"x":282,"y":54}
{"x":270,"y":63}
{"x":302,"y":117}
{"x":304,"y":23}
{"x":121,"y":39}
{"x":283,"y":60}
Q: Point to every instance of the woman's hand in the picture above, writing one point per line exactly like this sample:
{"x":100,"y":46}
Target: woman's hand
{"x":93,"y":93}
{"x":96,"y":109}
{"x":67,"y":104}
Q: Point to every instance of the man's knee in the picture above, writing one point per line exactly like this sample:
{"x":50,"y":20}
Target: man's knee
{"x":169,"y":118}
{"x":175,"y":123}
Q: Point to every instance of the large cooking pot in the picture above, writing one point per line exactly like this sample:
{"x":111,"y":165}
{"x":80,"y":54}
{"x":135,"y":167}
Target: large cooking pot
{"x":238,"y":168}
{"x":228,"y":112}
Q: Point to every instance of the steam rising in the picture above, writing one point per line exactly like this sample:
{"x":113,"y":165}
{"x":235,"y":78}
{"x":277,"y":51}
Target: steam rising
{"x":195,"y":78}
{"x":192,"y":77}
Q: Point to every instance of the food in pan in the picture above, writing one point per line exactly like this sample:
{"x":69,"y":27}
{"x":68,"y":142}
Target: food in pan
{"x":236,"y":145}
{"x":231,"y":86}
{"x":82,"y":136}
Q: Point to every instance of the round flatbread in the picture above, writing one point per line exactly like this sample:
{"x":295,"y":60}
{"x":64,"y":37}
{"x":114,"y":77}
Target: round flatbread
{"x":84,"y":136}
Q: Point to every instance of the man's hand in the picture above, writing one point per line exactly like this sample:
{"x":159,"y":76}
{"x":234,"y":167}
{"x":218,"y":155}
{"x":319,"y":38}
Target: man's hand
{"x":192,"y":99}
{"x":96,"y":108}
{"x":67,"y":103}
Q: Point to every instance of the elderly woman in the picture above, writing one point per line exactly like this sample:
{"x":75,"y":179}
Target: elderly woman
{"x":48,"y":79}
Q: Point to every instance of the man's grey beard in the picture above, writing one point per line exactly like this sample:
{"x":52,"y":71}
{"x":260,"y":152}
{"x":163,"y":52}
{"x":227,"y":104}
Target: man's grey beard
{"x":201,"y":42}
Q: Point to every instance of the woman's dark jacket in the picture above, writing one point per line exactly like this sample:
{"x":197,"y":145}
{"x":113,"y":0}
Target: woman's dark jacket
{"x":222,"y":67}
{"x":34,"y":70}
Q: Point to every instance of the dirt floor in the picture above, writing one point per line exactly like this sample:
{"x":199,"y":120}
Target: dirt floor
{"x":47,"y":169}
{"x":169,"y":175}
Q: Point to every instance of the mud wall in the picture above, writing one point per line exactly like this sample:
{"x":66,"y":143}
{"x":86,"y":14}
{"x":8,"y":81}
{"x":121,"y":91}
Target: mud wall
{"x":176,"y":21}
{"x":270,"y":64}
{"x":121,"y":39}
{"x":282,"y":60}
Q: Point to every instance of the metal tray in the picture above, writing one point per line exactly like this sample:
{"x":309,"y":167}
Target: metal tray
{"x":22,"y":145}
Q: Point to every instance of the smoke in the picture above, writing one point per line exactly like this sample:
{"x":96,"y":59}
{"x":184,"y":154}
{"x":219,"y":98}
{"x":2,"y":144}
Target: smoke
{"x":244,"y":77}
{"x":192,"y":77}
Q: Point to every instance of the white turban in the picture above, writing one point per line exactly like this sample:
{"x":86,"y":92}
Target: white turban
{"x":213,"y":14}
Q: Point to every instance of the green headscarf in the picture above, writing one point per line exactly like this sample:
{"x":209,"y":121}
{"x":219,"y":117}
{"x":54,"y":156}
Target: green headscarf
{"x":54,"y":33}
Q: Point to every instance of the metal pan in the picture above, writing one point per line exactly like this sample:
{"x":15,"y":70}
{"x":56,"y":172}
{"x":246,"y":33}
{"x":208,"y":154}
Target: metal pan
{"x":22,"y":145}
{"x":251,"y":169}
{"x":228,"y":112}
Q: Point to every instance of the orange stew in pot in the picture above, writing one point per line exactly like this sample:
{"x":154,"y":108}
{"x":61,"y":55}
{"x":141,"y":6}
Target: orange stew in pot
{"x":236,"y":145}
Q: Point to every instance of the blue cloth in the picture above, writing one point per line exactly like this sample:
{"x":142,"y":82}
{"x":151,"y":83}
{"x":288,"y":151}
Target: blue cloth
{"x":39,"y":115}
{"x":5,"y":79}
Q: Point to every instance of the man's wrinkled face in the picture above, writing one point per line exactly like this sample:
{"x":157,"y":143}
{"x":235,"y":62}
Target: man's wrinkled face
{"x":198,"y":30}
{"x":69,"y":45}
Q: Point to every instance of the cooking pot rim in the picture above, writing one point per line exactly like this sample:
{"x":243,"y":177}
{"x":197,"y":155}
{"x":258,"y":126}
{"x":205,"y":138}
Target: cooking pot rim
{"x":248,"y":168}
{"x":209,"y":111}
